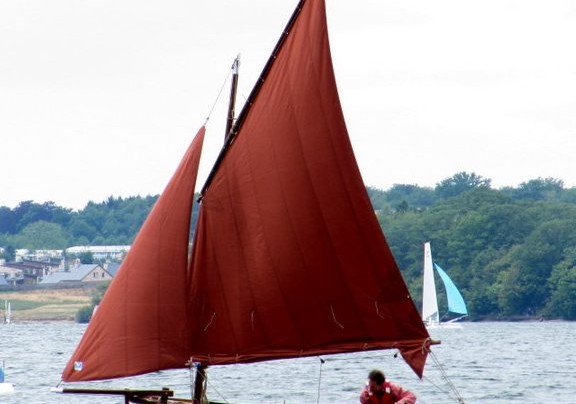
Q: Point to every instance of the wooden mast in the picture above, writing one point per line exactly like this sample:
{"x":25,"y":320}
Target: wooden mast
{"x":232,"y":102}
{"x":199,"y":383}
{"x":230,"y":135}
{"x":201,"y":377}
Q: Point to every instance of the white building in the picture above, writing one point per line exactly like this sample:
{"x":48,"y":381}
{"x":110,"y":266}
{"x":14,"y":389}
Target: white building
{"x":100,"y":252}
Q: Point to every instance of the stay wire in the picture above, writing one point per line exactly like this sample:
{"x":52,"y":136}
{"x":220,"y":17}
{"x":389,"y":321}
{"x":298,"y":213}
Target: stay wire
{"x":455,"y":393}
{"x":207,"y":383}
{"x":221,"y":90}
{"x":193,"y":373}
{"x":320,"y":379}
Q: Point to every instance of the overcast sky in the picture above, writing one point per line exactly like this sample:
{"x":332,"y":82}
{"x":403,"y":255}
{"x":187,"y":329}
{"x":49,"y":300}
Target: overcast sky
{"x":100,"y":98}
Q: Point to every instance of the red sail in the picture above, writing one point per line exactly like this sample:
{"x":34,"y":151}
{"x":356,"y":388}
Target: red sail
{"x":140,"y":325}
{"x":289,"y":259}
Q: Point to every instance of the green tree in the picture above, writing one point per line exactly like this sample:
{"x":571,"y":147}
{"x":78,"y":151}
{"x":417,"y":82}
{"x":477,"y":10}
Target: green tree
{"x":86,"y":257}
{"x":81,"y":229}
{"x":8,"y":253}
{"x":410,"y":195}
{"x":8,"y":220}
{"x":460,"y":183}
{"x":84,"y":314}
{"x":563,"y":288}
{"x":540,"y":189}
{"x":28,"y":212}
{"x":521,"y":292}
{"x":42,"y":235}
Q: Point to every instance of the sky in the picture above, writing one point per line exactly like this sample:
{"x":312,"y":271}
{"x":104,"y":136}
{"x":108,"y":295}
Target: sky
{"x":101,"y":98}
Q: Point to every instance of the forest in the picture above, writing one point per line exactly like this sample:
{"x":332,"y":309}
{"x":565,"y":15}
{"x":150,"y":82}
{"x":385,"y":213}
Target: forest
{"x":511,"y":251}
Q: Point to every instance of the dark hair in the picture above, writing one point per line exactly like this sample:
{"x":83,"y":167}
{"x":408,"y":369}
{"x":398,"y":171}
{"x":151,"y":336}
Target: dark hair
{"x":377,"y":376}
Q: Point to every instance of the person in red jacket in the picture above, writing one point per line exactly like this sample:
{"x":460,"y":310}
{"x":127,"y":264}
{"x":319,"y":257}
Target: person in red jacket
{"x":379,"y":391}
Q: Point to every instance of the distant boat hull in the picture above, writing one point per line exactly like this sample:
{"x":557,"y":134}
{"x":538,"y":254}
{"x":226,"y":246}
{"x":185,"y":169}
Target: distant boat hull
{"x":6,"y":388}
{"x":448,"y":325}
{"x":7,"y":312}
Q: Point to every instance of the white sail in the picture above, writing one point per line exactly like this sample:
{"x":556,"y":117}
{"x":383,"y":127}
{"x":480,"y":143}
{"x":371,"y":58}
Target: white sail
{"x":429,"y":301}
{"x":456,"y":304}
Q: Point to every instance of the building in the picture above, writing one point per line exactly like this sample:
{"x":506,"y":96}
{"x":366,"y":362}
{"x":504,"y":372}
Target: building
{"x":27,"y":272}
{"x":102,"y":252}
{"x":85,"y":273}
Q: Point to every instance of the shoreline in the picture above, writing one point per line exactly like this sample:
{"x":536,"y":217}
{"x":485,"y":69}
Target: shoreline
{"x":46,"y":304}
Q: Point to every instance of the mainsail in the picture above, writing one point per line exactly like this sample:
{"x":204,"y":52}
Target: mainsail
{"x":430,"y":313}
{"x":288,"y":259}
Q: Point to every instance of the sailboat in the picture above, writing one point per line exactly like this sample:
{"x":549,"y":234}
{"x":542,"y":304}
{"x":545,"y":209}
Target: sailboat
{"x":7,"y":312}
{"x":5,"y":387}
{"x":456,"y":304}
{"x":287,"y":259}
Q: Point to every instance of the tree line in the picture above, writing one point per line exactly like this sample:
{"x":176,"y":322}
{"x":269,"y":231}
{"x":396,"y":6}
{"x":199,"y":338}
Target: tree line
{"x":511,"y":251}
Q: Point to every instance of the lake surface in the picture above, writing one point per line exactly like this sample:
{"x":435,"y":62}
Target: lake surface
{"x":530,"y":362}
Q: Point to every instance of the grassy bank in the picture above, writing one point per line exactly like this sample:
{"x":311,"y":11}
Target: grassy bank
{"x":46,"y":305}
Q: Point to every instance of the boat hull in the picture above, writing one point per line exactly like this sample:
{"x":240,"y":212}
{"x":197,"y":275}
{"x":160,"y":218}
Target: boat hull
{"x":453,"y":326}
{"x":6,"y":388}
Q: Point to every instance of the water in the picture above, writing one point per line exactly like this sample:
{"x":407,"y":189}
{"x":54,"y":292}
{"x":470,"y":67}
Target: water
{"x":487,"y":362}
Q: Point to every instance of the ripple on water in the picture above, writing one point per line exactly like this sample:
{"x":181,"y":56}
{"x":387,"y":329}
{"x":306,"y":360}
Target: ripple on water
{"x":488,"y":363}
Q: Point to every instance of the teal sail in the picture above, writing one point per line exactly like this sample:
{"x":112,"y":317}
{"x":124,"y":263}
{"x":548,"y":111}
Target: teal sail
{"x":455,"y":300}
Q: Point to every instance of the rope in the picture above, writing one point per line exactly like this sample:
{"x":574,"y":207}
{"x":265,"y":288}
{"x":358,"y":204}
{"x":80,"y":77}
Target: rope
{"x":220,"y":395}
{"x":193,"y":372}
{"x":455,"y":394}
{"x":320,"y":379}
{"x":220,"y":92}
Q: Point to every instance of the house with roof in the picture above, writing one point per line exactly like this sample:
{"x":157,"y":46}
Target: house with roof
{"x":112,"y":268}
{"x":11,"y":276}
{"x":81,"y":274}
{"x":32,"y":270}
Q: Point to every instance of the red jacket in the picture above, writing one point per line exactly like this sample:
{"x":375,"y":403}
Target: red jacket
{"x":394,"y":395}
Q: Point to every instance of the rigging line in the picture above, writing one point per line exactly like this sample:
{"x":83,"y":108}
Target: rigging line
{"x":193,"y":371}
{"x":449,"y":394}
{"x":221,"y":90}
{"x":438,"y":387}
{"x":320,"y":379}
{"x":216,"y":391}
{"x":457,"y":396}
{"x":253,"y":94}
{"x":208,"y":383}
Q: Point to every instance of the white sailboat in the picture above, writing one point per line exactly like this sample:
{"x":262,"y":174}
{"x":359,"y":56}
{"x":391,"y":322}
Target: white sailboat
{"x":7,"y":312}
{"x":456,"y":304}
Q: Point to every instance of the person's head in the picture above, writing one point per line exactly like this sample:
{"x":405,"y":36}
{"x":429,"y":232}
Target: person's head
{"x":376,"y":381}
